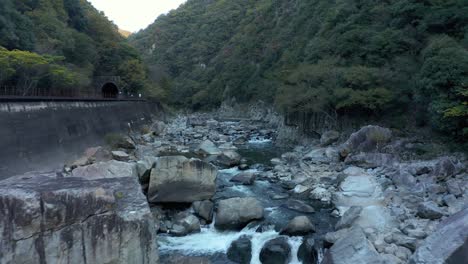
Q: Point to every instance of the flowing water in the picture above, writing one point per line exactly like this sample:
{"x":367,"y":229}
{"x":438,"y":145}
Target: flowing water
{"x":213,"y":244}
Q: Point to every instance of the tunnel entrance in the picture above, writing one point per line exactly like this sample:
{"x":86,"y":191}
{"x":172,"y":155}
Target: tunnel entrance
{"x":110,"y":90}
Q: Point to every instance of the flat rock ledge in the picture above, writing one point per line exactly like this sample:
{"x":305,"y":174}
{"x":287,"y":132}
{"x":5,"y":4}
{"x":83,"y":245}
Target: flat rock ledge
{"x":48,"y":219}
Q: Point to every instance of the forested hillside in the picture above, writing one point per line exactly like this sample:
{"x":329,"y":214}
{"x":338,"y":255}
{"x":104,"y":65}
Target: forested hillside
{"x":62,"y":44}
{"x":359,"y":57}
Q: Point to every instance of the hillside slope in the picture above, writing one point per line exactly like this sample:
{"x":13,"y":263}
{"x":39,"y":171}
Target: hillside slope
{"x":361,"y":57}
{"x":62,"y":44}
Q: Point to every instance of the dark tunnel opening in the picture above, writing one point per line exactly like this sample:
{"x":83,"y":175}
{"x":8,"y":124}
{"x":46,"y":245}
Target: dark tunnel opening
{"x":110,"y":90}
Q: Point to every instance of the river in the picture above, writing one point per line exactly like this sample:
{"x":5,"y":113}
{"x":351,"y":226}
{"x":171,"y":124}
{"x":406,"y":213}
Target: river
{"x":213,"y":244}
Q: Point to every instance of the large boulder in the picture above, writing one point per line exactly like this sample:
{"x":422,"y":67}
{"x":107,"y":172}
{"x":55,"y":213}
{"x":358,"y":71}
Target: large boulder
{"x":240,"y":250}
{"x":349,"y":217}
{"x":445,"y":168}
{"x":367,"y":139}
{"x":308,"y":251}
{"x":448,"y":244}
{"x":276,"y":251}
{"x":185,"y":225}
{"x":109,"y":169}
{"x":236,"y":213}
{"x":181,"y":180}
{"x":208,"y":148}
{"x":351,"y":249}
{"x":204,"y":209}
{"x":49,"y":219}
{"x":298,"y":226}
{"x":229,"y":158}
{"x":144,"y":167}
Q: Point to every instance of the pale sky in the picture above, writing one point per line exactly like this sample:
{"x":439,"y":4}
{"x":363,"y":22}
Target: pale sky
{"x":133,"y":15}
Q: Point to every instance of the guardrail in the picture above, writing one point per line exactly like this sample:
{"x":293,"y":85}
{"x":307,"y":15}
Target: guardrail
{"x":58,"y":98}
{"x":10,"y":93}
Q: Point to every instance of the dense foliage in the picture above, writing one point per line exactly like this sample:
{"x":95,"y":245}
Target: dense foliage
{"x":373,"y":57}
{"x":69,"y":36}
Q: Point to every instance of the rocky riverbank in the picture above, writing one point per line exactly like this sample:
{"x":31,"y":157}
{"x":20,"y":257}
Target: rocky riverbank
{"x":220,"y":191}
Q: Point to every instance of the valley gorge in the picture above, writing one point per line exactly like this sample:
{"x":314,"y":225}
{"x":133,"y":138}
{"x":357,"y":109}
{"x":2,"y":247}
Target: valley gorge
{"x":214,"y":188}
{"x":234,"y":131}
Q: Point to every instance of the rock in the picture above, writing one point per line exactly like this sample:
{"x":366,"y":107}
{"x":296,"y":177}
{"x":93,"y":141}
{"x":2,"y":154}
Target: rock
{"x":351,"y":249}
{"x":229,"y":158}
{"x":453,"y":187}
{"x":180,"y":259}
{"x":186,"y":225}
{"x":204,"y":209}
{"x":371,"y":160}
{"x":236,"y":213}
{"x":276,"y":251}
{"x":329,"y":137}
{"x":109,"y":169}
{"x":45,"y":219}
{"x":403,"y":179}
{"x":98,"y":154}
{"x":158,"y":128}
{"x":245,"y":178}
{"x":120,"y":155}
{"x":208,"y":148}
{"x":240,"y":141}
{"x":405,"y":241}
{"x":367,"y":139}
{"x":148,"y":138}
{"x":227,"y":146}
{"x":300,"y":189}
{"x":124,"y":143}
{"x":308,"y":252}
{"x":448,"y":244}
{"x":196,"y":122}
{"x":92,"y":155}
{"x":332,"y":237}
{"x":276,"y":161}
{"x":318,"y":156}
{"x":290,"y":157}
{"x":299,"y":226}
{"x":288,"y":185}
{"x":299,"y":206}
{"x":391,"y":259}
{"x":240,"y":250}
{"x":349,"y":217}
{"x":333,"y":154}
{"x":429,"y":210}
{"x":280,"y":196}
{"x":444,"y":168}
{"x":243,"y":167}
{"x":180,"y":180}
{"x":144,"y":167}
{"x":321,"y":194}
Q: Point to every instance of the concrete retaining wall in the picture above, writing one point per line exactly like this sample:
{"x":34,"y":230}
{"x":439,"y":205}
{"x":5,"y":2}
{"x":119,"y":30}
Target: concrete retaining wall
{"x":44,"y":135}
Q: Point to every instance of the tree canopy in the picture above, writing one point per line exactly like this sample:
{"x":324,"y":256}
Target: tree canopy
{"x":402,"y":57}
{"x":87,"y":42}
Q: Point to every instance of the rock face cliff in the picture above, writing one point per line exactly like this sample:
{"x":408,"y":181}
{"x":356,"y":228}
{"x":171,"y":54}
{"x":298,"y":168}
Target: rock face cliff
{"x":50,"y":219}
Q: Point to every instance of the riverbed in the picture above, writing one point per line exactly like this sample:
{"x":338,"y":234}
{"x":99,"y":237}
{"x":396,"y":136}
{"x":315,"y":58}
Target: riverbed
{"x":214,"y":244}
